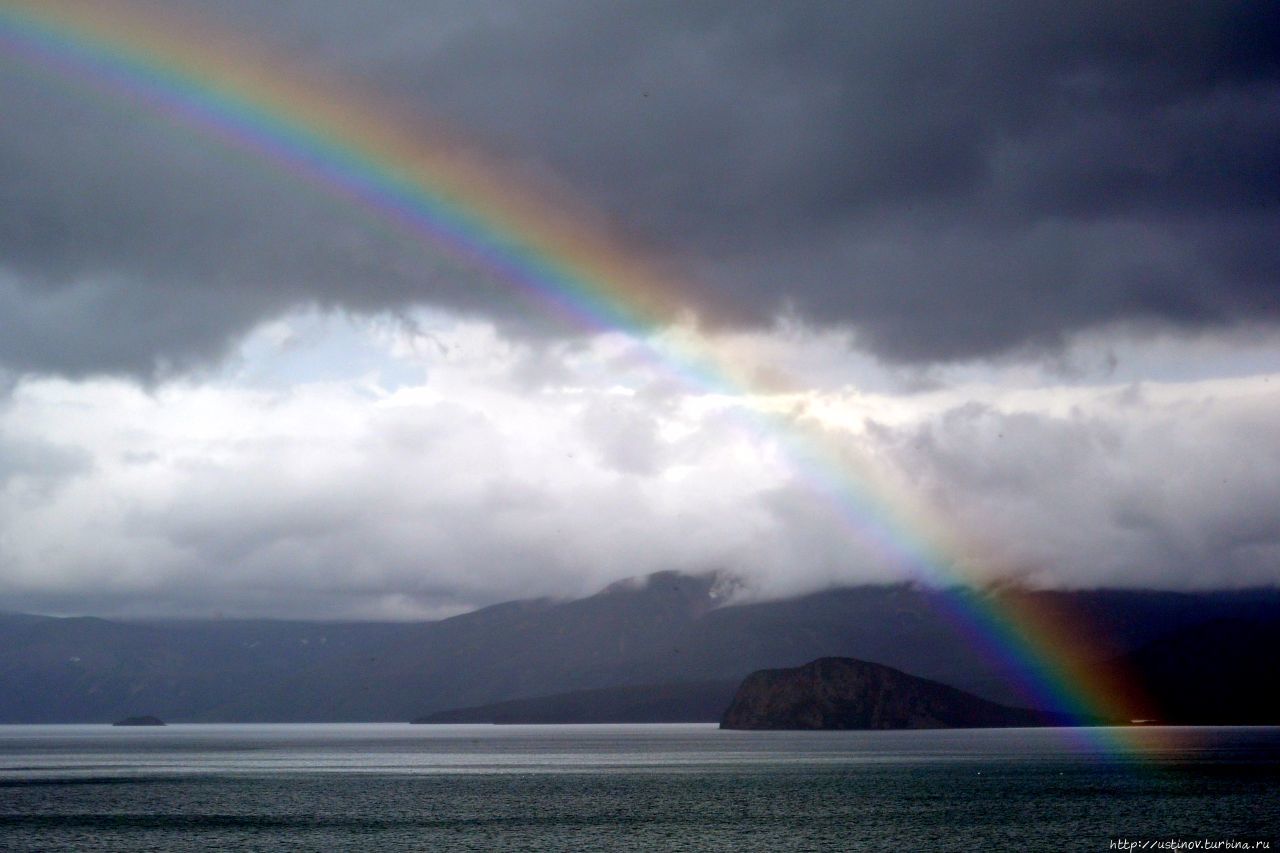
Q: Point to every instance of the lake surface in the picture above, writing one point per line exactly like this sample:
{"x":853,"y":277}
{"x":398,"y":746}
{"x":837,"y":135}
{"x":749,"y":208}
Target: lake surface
{"x":392,"y":787}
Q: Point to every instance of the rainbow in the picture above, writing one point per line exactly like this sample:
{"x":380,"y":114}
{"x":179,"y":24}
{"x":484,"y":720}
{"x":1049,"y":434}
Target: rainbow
{"x":423,"y":184}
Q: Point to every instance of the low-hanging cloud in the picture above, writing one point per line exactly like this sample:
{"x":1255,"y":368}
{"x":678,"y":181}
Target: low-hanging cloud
{"x":1122,"y":491}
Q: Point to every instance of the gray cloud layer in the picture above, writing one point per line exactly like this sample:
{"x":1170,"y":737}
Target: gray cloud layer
{"x":951,"y":179}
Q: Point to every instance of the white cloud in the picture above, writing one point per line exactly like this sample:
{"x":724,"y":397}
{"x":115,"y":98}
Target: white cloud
{"x":491,"y":469}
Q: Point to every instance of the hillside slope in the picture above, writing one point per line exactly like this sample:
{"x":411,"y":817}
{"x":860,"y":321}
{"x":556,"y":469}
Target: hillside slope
{"x":656,"y":630}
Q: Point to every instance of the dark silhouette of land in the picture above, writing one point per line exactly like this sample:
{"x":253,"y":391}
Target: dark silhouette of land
{"x":845,"y":693}
{"x":695,"y":702}
{"x":665,"y":629}
{"x":1223,"y":671}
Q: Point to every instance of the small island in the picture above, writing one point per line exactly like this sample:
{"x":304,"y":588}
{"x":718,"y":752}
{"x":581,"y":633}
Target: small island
{"x":139,"y":721}
{"x":845,"y":693}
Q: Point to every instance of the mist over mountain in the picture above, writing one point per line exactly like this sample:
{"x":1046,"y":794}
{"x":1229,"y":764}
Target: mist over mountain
{"x":664,"y":628}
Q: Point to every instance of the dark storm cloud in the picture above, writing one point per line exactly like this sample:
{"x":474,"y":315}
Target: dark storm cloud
{"x":952,"y":179}
{"x":130,"y":245}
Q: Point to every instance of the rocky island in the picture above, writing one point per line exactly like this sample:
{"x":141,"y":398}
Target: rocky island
{"x":845,"y":693}
{"x":139,"y":721}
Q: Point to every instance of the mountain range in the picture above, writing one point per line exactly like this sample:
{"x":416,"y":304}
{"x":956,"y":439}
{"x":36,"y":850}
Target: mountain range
{"x":665,"y":629}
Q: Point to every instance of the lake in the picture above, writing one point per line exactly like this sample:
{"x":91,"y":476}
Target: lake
{"x":627,"y":787}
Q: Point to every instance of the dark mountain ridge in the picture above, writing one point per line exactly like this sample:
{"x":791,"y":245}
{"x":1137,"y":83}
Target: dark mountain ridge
{"x":679,"y":702}
{"x":1221,"y":672}
{"x":661,"y":629}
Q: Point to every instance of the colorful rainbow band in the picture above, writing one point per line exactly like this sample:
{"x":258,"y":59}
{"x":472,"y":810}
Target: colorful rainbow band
{"x":421,"y":184}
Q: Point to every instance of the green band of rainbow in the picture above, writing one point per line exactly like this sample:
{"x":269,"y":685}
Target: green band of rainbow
{"x":421,"y":185}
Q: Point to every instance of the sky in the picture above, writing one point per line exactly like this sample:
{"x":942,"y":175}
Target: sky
{"x":1012,"y":268}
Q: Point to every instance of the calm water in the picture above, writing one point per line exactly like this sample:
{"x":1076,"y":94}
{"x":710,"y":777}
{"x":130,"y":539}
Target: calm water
{"x":662,"y":787}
